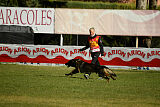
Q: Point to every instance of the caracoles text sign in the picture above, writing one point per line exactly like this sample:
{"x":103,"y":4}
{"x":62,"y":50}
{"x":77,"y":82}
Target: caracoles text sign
{"x":40,"y":19}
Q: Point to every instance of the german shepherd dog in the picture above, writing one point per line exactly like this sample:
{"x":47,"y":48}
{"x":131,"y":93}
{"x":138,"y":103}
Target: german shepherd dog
{"x":84,"y":67}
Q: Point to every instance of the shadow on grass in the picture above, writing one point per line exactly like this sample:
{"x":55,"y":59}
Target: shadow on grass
{"x":60,"y":76}
{"x":76,"y":77}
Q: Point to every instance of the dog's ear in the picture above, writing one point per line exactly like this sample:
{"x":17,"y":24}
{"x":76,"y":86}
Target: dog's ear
{"x":69,"y":63}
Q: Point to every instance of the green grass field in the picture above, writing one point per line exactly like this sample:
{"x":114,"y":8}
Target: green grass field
{"x":43,"y":86}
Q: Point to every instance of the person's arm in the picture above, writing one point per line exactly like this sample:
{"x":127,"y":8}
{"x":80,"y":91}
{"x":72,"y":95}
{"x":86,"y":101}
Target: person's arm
{"x":101,"y":46}
{"x":86,"y":47}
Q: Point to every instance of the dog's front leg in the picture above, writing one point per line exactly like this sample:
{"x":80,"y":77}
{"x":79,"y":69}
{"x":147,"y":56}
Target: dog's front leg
{"x":73,"y":72}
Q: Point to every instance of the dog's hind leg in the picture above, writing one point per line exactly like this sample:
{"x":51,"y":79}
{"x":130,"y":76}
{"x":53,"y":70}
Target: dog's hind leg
{"x":110,"y":73}
{"x":106,"y":75}
{"x":113,"y":78}
{"x":107,"y":79}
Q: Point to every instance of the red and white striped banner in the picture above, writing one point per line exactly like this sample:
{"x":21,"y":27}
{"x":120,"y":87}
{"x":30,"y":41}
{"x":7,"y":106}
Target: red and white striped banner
{"x":61,"y":54}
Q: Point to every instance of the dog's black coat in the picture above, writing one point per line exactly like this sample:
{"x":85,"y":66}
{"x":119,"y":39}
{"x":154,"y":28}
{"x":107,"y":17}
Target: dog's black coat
{"x":84,"y":67}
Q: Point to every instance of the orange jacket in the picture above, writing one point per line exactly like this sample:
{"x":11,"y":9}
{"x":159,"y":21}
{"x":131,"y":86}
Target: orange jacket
{"x":93,"y":43}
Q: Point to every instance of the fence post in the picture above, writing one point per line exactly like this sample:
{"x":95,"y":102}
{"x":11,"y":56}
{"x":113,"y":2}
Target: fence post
{"x":77,"y":39}
{"x":136,"y":41}
{"x":61,"y":40}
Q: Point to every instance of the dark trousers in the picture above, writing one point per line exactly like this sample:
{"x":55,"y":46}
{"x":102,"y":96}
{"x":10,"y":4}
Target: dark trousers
{"x":95,"y":61}
{"x":95,"y":56}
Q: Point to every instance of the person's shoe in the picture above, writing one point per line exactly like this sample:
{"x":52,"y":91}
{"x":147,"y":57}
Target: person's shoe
{"x":86,"y":76}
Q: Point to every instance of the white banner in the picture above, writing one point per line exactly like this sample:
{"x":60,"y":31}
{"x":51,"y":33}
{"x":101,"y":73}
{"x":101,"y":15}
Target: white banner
{"x":40,"y":19}
{"x":108,"y":22}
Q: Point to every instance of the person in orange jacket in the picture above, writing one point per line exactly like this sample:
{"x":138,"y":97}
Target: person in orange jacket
{"x":96,"y":48}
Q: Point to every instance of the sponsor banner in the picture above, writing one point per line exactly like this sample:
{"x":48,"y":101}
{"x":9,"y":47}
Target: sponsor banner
{"x":61,"y":54}
{"x":40,"y":19}
{"x":108,"y":22}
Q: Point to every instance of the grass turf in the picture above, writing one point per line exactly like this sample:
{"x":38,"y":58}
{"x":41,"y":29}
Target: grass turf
{"x":43,"y":86}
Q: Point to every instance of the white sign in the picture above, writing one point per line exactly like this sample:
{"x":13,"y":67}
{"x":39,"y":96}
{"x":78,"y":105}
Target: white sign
{"x":40,"y":19}
{"x":108,"y":22}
